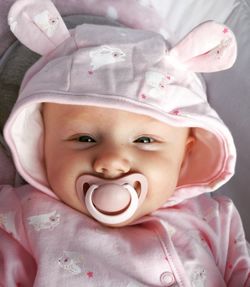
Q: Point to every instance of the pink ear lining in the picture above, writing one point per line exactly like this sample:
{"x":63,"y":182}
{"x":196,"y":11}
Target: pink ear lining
{"x":210,"y":47}
{"x":37,"y":24}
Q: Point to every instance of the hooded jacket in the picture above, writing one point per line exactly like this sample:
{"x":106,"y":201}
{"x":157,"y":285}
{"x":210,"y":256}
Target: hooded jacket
{"x":193,"y":240}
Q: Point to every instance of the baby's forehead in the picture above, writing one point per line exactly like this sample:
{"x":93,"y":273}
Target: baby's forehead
{"x":70,"y":111}
{"x":67,"y":114}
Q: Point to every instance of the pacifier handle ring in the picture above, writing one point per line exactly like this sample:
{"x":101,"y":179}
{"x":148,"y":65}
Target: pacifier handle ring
{"x":112,"y":219}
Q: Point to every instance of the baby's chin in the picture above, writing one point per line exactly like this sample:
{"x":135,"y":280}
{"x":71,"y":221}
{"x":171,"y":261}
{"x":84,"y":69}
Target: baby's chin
{"x":135,"y":219}
{"x":118,"y":225}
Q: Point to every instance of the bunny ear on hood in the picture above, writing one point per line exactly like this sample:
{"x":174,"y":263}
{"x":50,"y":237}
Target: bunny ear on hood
{"x":127,"y":69}
{"x":38,"y":25}
{"x":209,"y":47}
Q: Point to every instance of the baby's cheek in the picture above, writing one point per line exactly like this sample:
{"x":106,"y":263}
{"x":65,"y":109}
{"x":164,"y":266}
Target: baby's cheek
{"x":163,"y":184}
{"x":59,"y":179}
{"x":62,"y":182}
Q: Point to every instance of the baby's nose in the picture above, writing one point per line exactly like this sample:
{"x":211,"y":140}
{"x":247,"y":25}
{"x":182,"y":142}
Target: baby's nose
{"x":111,"y":164}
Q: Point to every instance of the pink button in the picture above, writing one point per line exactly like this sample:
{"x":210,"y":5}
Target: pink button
{"x":167,"y":279}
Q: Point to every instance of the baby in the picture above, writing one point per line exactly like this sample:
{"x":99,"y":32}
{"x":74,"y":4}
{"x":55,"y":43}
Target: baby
{"x":119,"y":147}
{"x":111,"y":144}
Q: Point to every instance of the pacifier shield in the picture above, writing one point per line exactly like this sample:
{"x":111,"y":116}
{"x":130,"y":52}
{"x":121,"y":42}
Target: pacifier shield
{"x":112,"y":201}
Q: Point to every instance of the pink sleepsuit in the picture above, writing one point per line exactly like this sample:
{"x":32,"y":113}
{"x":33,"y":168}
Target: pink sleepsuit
{"x":196,"y":239}
{"x":199,"y":242}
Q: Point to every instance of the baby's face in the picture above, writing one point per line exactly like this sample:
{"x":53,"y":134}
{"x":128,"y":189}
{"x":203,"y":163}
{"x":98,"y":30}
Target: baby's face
{"x":110,"y":144}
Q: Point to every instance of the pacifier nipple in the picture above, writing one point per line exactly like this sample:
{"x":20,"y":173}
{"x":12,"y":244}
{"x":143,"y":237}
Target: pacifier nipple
{"x":111,"y":198}
{"x":112,"y":201}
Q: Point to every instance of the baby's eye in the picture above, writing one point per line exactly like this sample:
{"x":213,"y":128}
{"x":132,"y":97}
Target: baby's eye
{"x":144,"y":140}
{"x":85,"y":139}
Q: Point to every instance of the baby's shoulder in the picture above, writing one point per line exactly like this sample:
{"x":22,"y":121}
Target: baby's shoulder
{"x":216,"y":202}
{"x":208,"y":206}
{"x":8,"y":192}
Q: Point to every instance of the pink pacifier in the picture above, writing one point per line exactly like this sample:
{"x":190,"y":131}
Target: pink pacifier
{"x":112,"y":201}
